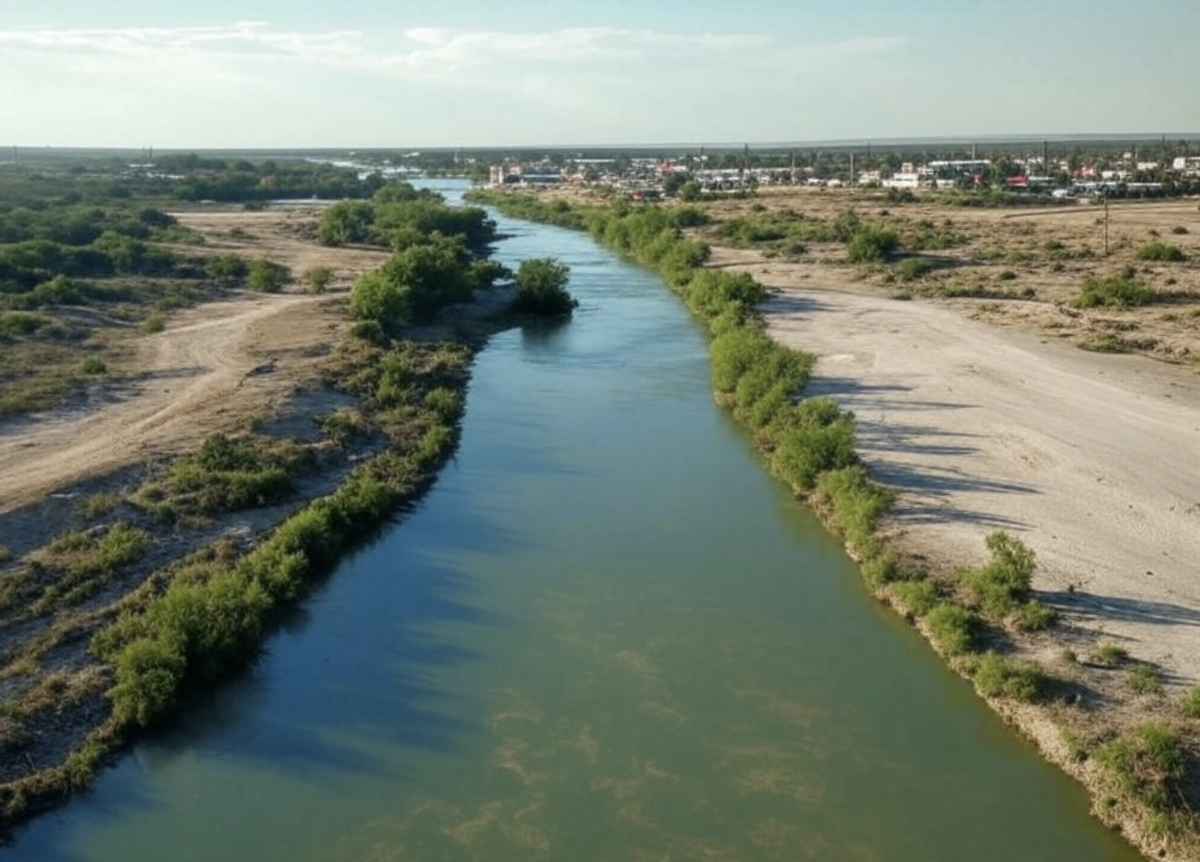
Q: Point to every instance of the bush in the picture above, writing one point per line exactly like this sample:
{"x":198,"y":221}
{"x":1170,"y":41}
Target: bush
{"x":369,"y":331}
{"x":317,"y":278}
{"x":1122,"y":292}
{"x":414,"y":284}
{"x":148,"y":672}
{"x":1001,"y":585}
{"x":818,"y":437}
{"x":872,"y":244}
{"x":1161,"y":251}
{"x":996,"y":676}
{"x":93,"y":365}
{"x":541,"y":288}
{"x":227,"y":267}
{"x":690,"y":191}
{"x":918,"y":597}
{"x":1147,"y":764}
{"x":855,"y":504}
{"x":1036,"y":617}
{"x":267,"y":276}
{"x":914,"y":268}
{"x":952,"y":628}
{"x":155,"y":322}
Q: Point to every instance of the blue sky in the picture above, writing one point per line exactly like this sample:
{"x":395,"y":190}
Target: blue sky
{"x":370,"y":73}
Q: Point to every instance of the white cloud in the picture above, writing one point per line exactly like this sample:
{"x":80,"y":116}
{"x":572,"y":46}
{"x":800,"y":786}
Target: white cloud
{"x":430,"y":51}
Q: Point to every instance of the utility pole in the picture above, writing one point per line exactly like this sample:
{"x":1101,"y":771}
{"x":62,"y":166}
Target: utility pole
{"x":852,"y":167}
{"x":1046,"y":158}
{"x":1106,"y":224}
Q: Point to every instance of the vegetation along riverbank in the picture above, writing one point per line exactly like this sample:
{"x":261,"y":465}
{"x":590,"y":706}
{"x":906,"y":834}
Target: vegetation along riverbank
{"x":131,"y":586}
{"x":1103,"y":715}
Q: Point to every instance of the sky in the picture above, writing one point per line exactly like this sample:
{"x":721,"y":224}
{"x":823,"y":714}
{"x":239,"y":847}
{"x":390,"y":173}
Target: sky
{"x":367,"y":73}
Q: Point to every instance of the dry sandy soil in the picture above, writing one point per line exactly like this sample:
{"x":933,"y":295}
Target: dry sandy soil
{"x":216,"y":367}
{"x":1091,"y":459}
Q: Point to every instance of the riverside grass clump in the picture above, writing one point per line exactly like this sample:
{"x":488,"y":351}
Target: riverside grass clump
{"x":1001,"y":589}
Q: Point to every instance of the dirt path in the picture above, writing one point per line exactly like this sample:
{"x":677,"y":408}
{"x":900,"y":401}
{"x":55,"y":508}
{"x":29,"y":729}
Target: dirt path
{"x":1093,"y":460}
{"x":215,"y":368}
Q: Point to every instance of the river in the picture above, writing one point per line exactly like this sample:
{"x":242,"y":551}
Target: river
{"x":605,"y":634}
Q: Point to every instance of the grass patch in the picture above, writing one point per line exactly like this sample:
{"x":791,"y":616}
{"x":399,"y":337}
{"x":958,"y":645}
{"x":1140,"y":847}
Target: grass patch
{"x":1189,"y":705}
{"x":952,"y":628}
{"x":155,"y":322}
{"x":997,"y":676}
{"x":1110,"y":655}
{"x":228,"y":475}
{"x":872,"y":244}
{"x":1116,"y":292}
{"x":914,"y":268}
{"x":1164,"y":252}
{"x":1144,"y":679}
{"x":1147,"y":764}
{"x":93,"y":365}
{"x":98,"y":505}
{"x":918,"y":597}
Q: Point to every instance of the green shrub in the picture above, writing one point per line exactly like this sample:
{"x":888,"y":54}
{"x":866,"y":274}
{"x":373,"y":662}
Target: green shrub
{"x":952,"y":628}
{"x":227,"y":475}
{"x":318,"y":278}
{"x":996,"y":676}
{"x":445,"y":403}
{"x":1147,"y":764}
{"x":855,"y":504}
{"x":98,"y":505}
{"x":1110,"y":655}
{"x":1122,"y":292}
{"x":155,"y":322}
{"x":819,"y":437}
{"x":93,"y":365}
{"x":872,"y":244}
{"x":1035,"y":616}
{"x":1144,"y":679}
{"x":1190,"y":705}
{"x":369,"y":331}
{"x":882,"y":569}
{"x":918,"y":597}
{"x":1161,"y":251}
{"x":267,"y":276}
{"x":542,"y":288}
{"x":17,"y":323}
{"x":148,"y":674}
{"x":914,"y":268}
{"x":1001,"y":585}
{"x":227,"y":267}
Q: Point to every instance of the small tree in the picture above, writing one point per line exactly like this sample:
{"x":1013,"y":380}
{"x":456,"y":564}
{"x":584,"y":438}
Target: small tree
{"x":689,"y":191}
{"x":541,"y":288}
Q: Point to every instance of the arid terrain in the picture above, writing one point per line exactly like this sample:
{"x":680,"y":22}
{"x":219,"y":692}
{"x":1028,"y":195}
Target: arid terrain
{"x":216,"y":367}
{"x":985,"y":414}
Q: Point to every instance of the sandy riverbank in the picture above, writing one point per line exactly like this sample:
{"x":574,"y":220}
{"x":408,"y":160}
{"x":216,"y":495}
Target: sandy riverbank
{"x":1092,"y":459}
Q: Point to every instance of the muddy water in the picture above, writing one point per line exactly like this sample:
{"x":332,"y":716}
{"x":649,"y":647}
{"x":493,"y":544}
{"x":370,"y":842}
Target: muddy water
{"x":605,"y":634}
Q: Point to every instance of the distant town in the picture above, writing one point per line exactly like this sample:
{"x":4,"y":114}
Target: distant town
{"x":649,"y":177}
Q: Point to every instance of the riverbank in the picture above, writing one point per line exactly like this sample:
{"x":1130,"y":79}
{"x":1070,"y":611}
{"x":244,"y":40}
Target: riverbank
{"x":154,"y":569}
{"x":1088,"y":715}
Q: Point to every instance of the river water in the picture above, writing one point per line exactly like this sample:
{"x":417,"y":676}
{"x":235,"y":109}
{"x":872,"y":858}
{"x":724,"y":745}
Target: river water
{"x":605,"y":634}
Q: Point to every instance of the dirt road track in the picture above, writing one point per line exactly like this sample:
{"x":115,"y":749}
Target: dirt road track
{"x":195,"y":379}
{"x":1093,"y":460}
